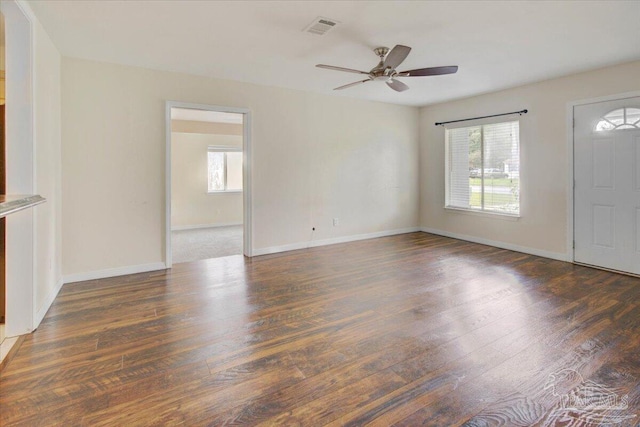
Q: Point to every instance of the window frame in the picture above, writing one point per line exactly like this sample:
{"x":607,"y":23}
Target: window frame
{"x":480,"y":211}
{"x":225,"y":150}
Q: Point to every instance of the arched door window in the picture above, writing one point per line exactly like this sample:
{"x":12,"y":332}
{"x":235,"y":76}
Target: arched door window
{"x":622,"y":118}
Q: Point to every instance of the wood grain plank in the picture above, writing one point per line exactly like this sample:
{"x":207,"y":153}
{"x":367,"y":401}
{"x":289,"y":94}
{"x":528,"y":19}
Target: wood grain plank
{"x":407,"y":330}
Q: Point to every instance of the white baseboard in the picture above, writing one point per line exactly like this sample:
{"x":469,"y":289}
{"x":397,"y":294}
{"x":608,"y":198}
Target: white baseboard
{"x":198,"y":226}
{"x":113,"y":272}
{"x":47,"y":304}
{"x":332,"y":241}
{"x":6,"y":345}
{"x":497,"y":244}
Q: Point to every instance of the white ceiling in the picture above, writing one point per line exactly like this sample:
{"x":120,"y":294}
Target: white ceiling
{"x":496,"y":44}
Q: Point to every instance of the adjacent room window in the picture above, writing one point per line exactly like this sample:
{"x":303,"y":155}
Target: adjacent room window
{"x":225,"y":169}
{"x":623,"y":118}
{"x":483,"y":168}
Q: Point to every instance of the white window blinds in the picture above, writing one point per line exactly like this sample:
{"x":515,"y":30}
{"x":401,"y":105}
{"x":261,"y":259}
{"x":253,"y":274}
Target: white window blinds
{"x":483,"y":168}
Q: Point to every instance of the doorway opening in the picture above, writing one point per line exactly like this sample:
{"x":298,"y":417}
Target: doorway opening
{"x":606,"y":183}
{"x":19,"y":155}
{"x":3,"y":184}
{"x":208,"y":212}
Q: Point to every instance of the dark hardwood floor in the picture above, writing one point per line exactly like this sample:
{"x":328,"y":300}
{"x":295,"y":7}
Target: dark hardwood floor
{"x":406,"y":330}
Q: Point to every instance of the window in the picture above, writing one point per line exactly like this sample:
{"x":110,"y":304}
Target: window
{"x":483,"y":168}
{"x":225,"y":169}
{"x":624,"y":118}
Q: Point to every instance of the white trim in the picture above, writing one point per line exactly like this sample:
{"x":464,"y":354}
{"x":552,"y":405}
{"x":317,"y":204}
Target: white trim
{"x":26,"y":9}
{"x":570,"y":160}
{"x":199,"y":226}
{"x":332,"y":241}
{"x":209,"y":193}
{"x":113,"y":272}
{"x":20,"y":150}
{"x":570,"y":184}
{"x":247,"y":184}
{"x":223,"y":148}
{"x":246,"y":173}
{"x":167,"y":184}
{"x":6,"y":345}
{"x":28,"y":12}
{"x":47,"y":304}
{"x":599,"y":99}
{"x":502,"y":245}
{"x":485,"y":213}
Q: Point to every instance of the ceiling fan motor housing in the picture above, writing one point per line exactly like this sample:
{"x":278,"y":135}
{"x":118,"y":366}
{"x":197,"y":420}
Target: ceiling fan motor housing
{"x":380,"y":72}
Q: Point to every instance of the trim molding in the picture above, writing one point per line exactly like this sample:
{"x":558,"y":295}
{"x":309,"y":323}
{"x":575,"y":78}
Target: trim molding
{"x":198,"y":226}
{"x":113,"y":272}
{"x":8,"y":348}
{"x":246,"y":173}
{"x":26,"y":9}
{"x":501,"y":245}
{"x":47,"y":304}
{"x":570,"y":111}
{"x":20,"y":149}
{"x":332,"y":241}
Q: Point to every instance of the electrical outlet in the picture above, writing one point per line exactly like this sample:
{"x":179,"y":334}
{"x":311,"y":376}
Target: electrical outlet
{"x":336,"y":222}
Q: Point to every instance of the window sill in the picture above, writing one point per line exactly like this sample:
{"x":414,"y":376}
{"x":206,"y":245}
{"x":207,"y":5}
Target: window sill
{"x":496,"y":215}
{"x":224,"y":192}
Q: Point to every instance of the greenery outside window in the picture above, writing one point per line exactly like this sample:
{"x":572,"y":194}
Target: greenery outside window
{"x":483,"y":168}
{"x":224,"y":169}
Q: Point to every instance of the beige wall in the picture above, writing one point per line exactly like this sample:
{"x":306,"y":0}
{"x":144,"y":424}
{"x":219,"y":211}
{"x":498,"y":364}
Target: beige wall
{"x":315,"y":157}
{"x":191,"y":205}
{"x":191,"y":126}
{"x":544,"y":157}
{"x":48,"y":224}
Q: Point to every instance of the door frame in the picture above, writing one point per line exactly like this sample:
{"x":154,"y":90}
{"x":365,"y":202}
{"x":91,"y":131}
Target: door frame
{"x":247,"y":222}
{"x":21,"y":236}
{"x":570,"y":158}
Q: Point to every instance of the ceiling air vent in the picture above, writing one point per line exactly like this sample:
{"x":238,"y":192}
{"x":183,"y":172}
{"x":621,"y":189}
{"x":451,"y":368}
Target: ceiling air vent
{"x":321,"y":26}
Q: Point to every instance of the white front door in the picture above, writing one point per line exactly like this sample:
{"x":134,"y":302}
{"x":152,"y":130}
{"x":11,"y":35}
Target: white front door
{"x":607,"y":184}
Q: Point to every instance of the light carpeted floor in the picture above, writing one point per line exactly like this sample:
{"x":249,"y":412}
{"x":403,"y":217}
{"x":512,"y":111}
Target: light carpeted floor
{"x":205,"y":243}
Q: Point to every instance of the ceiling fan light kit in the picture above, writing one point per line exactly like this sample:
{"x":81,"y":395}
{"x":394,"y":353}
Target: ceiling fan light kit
{"x":386,"y":69}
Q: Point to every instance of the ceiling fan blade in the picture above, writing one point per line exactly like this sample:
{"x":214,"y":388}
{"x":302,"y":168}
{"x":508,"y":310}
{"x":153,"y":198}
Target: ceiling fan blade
{"x":397,"y":85}
{"x":396,"y":56}
{"x":348,"y":70}
{"x":433,"y":71}
{"x":352,"y":84}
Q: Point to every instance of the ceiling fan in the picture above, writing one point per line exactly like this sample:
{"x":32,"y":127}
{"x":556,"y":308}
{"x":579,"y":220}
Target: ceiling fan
{"x":386,"y":69}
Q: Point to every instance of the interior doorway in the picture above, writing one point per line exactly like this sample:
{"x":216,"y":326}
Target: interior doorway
{"x":607,"y":184}
{"x":208,"y":185}
{"x":20,"y":315}
{"x":3,"y":184}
